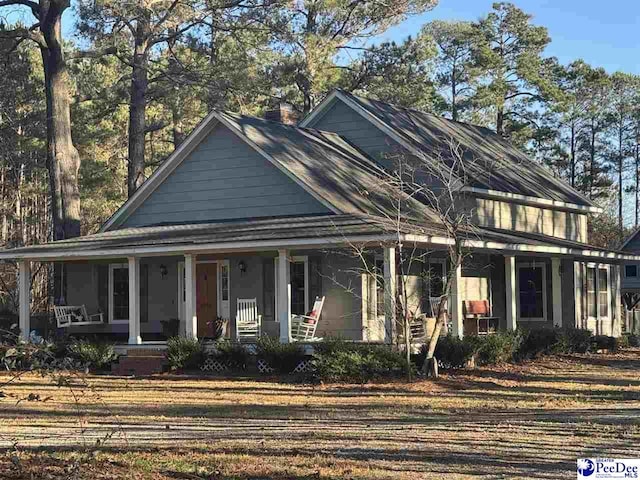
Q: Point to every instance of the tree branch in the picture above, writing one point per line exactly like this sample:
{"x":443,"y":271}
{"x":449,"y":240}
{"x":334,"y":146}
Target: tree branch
{"x":92,"y":53}
{"x":35,"y":8}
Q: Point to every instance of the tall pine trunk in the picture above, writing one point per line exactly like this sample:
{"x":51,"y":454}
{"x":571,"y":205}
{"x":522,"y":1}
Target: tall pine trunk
{"x":138,"y":106}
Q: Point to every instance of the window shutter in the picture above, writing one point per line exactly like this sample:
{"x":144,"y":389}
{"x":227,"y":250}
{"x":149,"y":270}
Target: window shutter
{"x":103,"y":290}
{"x":144,"y":293}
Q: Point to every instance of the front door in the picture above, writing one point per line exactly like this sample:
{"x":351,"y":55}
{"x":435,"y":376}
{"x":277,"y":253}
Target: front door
{"x":206,"y":297}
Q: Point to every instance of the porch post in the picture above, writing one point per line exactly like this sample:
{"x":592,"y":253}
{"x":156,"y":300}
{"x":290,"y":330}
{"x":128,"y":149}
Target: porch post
{"x":134,"y":301}
{"x":190,"y":305}
{"x":510,"y":289}
{"x":457,"y":322}
{"x":556,"y":286}
{"x":390,"y":293}
{"x":24,"y":297}
{"x":284,"y":296}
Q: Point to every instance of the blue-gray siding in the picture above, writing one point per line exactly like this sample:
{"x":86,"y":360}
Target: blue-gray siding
{"x":344,"y":121}
{"x":224,"y":178}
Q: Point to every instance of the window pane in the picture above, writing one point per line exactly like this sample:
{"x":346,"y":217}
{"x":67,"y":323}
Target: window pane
{"x":531,"y":292}
{"x":224,"y":278}
{"x":630,"y":270}
{"x":297,"y":288}
{"x":120,"y":293}
{"x":603,"y":292}
{"x":591,"y":292}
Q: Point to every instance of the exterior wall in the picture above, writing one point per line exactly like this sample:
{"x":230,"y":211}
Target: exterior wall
{"x":630,"y":283}
{"x":83,"y":288}
{"x":224,"y":178}
{"x":343,"y":120}
{"x":524,"y":218}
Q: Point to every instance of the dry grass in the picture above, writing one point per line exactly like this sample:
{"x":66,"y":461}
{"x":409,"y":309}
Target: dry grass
{"x":528,"y":421}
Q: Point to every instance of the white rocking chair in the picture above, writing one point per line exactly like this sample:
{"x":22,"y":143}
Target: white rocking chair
{"x":248,"y":322}
{"x":67,"y":316}
{"x":303,"y":327}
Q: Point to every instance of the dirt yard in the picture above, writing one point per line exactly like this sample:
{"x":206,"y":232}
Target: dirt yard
{"x":529,"y":421}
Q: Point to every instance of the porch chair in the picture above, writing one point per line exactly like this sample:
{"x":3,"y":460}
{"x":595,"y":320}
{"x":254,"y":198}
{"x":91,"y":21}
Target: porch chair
{"x":478,"y":319}
{"x":303,"y":327}
{"x":248,"y":322}
{"x":68,"y":315}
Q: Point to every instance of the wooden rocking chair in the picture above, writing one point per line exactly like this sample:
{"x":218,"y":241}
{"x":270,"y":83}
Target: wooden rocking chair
{"x":303,"y":327}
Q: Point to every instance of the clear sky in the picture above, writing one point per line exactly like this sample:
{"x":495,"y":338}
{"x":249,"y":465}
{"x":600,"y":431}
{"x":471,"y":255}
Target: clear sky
{"x":605,"y":33}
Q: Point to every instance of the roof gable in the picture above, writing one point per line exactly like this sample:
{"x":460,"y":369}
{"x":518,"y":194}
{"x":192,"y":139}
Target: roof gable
{"x":497,"y":167}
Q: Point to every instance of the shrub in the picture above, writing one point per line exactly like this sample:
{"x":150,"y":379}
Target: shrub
{"x":233,"y":355}
{"x":604,"y":342}
{"x":184,"y":353}
{"x":336,"y":360}
{"x":22,"y":356}
{"x":542,"y":341}
{"x":500,"y":347}
{"x":98,"y":355}
{"x":622,"y":342}
{"x":282,"y":357}
{"x":575,"y":340}
{"x":452,"y":352}
{"x":634,"y":340}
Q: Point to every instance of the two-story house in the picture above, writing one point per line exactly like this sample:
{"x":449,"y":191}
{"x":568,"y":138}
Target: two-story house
{"x":248,"y":208}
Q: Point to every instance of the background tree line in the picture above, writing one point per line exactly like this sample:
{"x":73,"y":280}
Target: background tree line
{"x":91,"y":104}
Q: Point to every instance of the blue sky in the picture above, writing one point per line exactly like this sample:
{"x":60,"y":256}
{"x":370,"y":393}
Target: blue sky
{"x":603,"y":33}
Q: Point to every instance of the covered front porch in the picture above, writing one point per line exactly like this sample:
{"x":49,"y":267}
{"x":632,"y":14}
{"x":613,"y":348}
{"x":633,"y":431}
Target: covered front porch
{"x":147,"y":284}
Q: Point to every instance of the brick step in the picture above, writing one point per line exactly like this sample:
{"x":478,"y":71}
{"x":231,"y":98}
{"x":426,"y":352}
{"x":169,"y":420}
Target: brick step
{"x":139,"y":365}
{"x":145,"y":352}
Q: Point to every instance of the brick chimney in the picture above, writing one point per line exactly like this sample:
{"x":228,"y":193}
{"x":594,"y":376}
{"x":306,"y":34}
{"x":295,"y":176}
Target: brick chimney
{"x":283,"y":113}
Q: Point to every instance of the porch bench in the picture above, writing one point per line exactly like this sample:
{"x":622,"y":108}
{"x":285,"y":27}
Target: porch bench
{"x":69,"y":315}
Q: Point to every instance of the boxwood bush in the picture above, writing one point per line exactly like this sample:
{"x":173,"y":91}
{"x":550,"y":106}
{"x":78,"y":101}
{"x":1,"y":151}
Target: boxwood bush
{"x":184,"y":353}
{"x":282,"y":357}
{"x":336,"y":360}
{"x":232,"y":355}
{"x":96,"y":355}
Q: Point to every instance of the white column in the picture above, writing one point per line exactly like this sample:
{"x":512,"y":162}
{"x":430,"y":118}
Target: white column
{"x":455,"y":301}
{"x":24,"y":292}
{"x":556,"y":286}
{"x":284,"y":296}
{"x":190,"y":304}
{"x":390,"y":293}
{"x":511,"y":291}
{"x":134,"y":301}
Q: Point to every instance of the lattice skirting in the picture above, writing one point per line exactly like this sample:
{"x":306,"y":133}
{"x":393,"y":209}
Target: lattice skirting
{"x":263,"y":366}
{"x":304,"y":366}
{"x":213,"y":365}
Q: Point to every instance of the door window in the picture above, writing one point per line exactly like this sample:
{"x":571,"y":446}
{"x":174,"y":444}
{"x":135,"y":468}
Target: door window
{"x":591,"y":292}
{"x":603,"y":292}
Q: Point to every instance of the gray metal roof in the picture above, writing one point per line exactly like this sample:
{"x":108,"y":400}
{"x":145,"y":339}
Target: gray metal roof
{"x":495,"y":164}
{"x":337,"y":228}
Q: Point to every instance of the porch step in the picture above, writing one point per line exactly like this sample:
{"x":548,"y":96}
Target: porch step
{"x":139,"y":364}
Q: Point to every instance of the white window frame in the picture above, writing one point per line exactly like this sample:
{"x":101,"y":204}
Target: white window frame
{"x":544,"y":291}
{"x":112,"y":267}
{"x":598,"y":267}
{"x":440,"y":261}
{"x":631,"y":265}
{"x":296,"y":259}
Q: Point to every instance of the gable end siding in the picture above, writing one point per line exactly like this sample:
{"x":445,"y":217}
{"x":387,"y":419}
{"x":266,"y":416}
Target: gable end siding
{"x":341,"y":119}
{"x":223,"y":179}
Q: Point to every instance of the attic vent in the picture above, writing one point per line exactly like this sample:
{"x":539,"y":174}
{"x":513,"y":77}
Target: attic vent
{"x":284,"y":113}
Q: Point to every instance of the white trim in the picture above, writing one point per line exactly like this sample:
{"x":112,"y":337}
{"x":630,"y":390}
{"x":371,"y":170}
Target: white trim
{"x":530,"y":200}
{"x":24,"y":298}
{"x":112,"y":267}
{"x":297,"y":259}
{"x":162,"y":172}
{"x":629,"y":238}
{"x":556,"y":290}
{"x":520,"y":266}
{"x":439,"y":261}
{"x":511,"y":292}
{"x":312,"y":243}
{"x":181,"y":297}
{"x":331,"y":99}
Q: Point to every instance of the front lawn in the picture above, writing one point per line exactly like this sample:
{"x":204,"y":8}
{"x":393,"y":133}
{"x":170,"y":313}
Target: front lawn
{"x":502,"y":422}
